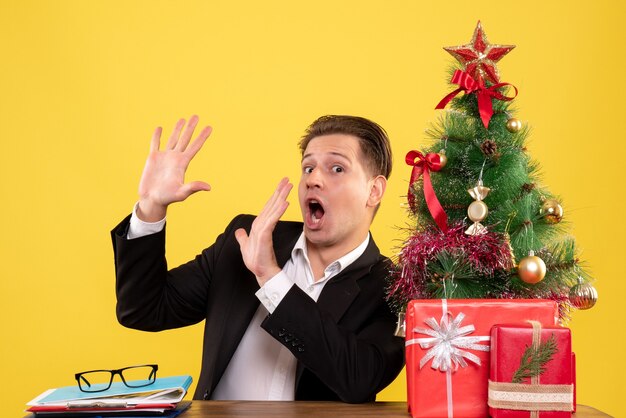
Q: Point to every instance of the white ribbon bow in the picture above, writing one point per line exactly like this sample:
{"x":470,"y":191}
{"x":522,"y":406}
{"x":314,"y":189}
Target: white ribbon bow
{"x":448,"y":343}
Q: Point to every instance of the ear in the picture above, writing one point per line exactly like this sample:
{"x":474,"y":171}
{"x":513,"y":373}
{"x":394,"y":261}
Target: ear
{"x":377,"y":189}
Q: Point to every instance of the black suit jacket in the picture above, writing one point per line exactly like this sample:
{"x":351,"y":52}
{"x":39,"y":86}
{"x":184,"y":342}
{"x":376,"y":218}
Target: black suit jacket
{"x":344,"y":343}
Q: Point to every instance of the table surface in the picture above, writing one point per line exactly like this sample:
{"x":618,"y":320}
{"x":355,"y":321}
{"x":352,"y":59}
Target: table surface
{"x":277,"y":409}
{"x":272,"y":409}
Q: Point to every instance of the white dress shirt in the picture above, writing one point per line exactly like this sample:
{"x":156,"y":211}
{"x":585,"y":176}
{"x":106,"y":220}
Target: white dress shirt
{"x":262,"y":368}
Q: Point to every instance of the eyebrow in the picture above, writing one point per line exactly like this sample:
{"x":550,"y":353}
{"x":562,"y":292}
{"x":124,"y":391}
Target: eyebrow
{"x":336,"y":154}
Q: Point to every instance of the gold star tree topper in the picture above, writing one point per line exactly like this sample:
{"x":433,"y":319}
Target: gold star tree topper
{"x":479,"y":56}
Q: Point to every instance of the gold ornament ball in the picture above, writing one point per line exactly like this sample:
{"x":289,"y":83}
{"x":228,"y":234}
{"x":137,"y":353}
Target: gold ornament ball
{"x":552,"y":211}
{"x":583,"y":296}
{"x":513,"y":125}
{"x":531,"y":269}
{"x":443,"y":160}
{"x":477,"y":211}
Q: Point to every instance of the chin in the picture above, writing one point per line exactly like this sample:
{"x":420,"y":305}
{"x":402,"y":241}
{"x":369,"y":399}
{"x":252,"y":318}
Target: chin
{"x":317,"y":237}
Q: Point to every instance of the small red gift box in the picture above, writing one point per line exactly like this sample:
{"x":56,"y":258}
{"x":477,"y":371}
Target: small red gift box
{"x":512,"y":392}
{"x":447,"y":351}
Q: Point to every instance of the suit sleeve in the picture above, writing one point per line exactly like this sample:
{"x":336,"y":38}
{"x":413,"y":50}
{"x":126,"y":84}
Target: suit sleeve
{"x":151,"y":298}
{"x":354,"y":364}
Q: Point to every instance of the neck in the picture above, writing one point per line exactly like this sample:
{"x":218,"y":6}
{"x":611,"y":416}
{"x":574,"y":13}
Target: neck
{"x":321,"y":256}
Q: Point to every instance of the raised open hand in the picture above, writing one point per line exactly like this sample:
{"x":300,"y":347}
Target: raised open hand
{"x":163,"y":178}
{"x":256,"y":248}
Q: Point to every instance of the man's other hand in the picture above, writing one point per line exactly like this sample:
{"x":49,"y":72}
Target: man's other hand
{"x":257,"y":248}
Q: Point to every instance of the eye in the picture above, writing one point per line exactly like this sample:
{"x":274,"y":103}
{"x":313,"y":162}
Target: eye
{"x":307,"y":170}
{"x":337,"y":169}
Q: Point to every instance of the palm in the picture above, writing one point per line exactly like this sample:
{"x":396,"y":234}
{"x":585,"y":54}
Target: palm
{"x":256,"y":248}
{"x":163,"y":178}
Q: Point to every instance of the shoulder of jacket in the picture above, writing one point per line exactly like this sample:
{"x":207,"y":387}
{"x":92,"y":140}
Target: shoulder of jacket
{"x":245,"y":220}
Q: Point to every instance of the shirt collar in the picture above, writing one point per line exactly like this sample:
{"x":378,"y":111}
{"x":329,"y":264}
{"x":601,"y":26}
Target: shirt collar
{"x":338,"y":265}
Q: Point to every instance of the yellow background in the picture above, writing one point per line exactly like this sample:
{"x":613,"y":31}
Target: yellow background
{"x":84,"y":83}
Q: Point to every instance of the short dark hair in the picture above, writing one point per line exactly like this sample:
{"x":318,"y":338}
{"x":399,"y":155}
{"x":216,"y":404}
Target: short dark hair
{"x":372,"y":138}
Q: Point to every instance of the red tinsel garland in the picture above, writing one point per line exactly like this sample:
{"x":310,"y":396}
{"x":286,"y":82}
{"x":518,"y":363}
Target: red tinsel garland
{"x":487,"y":253}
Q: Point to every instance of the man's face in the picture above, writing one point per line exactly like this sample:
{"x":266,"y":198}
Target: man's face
{"x":335,"y":192}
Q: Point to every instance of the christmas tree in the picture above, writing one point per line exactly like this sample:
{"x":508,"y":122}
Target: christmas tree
{"x":484,"y":227}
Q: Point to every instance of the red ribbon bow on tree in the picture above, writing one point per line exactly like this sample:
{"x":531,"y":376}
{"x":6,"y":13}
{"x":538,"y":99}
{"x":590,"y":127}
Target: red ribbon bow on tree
{"x":424,"y":165}
{"x":484,"y":94}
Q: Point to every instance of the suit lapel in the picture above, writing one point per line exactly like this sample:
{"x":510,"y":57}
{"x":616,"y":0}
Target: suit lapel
{"x":241,"y":304}
{"x":244,"y":302}
{"x":284,"y":241}
{"x":341,"y":290}
{"x":285,"y":236}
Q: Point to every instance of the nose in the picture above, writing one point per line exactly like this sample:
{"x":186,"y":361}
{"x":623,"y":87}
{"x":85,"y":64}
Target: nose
{"x":314,"y":179}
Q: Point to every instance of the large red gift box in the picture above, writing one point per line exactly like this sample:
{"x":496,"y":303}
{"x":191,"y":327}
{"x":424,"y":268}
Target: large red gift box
{"x":447,"y":351}
{"x":551,"y":392}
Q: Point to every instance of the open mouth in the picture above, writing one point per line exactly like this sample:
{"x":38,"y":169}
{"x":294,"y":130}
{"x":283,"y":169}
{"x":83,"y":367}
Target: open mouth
{"x":316,"y":210}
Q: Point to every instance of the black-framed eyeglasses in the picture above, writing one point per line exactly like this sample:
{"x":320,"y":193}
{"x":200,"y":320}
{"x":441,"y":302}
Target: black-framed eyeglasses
{"x":133,"y":377}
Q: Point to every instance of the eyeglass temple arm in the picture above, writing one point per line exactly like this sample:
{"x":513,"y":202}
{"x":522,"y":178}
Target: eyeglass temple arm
{"x":80,"y":377}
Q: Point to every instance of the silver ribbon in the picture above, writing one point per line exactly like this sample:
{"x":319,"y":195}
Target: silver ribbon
{"x":448,"y":343}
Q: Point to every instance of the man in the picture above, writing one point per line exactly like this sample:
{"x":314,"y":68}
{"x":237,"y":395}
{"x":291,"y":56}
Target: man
{"x":314,"y":324}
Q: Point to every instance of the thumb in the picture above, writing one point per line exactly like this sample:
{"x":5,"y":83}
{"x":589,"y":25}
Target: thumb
{"x":194,"y":187}
{"x":241,"y":236}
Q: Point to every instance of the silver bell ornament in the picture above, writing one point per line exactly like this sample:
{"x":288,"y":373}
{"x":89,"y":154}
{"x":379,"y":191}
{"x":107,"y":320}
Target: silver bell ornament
{"x":400,"y":326}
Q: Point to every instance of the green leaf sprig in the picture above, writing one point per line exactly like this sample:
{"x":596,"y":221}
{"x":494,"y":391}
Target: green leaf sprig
{"x":534,"y":361}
